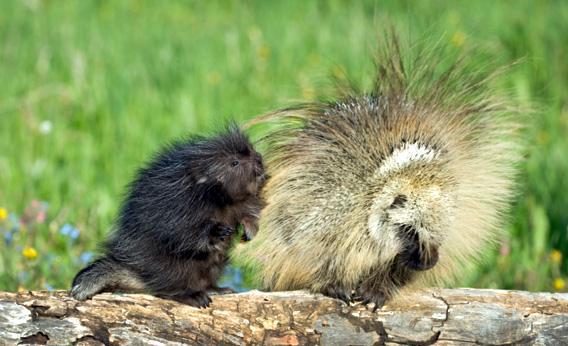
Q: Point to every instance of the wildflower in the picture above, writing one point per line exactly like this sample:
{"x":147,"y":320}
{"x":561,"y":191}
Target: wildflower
{"x":70,"y":231}
{"x":555,"y":256}
{"x":254,"y":34}
{"x":458,"y":39}
{"x":263,"y":52}
{"x":29,"y":253}
{"x":559,"y":284}
{"x":213,"y":78}
{"x":504,"y":250}
{"x":86,"y":257}
{"x":8,"y":237}
{"x":14,"y":221}
{"x":23,"y":276}
{"x":314,"y":59}
{"x":338,"y":72}
{"x":48,"y":287}
{"x":308,"y":92}
{"x":3,"y":214}
{"x":543,"y":137}
{"x":45,"y":127}
{"x":35,"y":212}
{"x":40,"y":218}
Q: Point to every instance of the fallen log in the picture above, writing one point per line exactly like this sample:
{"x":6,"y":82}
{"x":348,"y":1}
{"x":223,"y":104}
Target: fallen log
{"x":423,"y":317}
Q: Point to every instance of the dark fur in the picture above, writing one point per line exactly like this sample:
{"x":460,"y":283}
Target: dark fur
{"x":178,"y":220}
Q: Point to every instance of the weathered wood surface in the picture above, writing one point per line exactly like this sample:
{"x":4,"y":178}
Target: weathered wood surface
{"x":433,"y":316}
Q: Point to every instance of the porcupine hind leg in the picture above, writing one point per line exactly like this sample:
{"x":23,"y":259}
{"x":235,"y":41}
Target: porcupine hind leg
{"x":367,"y":295}
{"x":338,"y":292}
{"x":198,"y":299}
{"x":206,"y":269}
{"x":219,"y":262}
{"x":383,"y":284}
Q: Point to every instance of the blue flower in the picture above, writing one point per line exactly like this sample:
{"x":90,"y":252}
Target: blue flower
{"x":8,"y":237}
{"x":233,"y":278}
{"x":70,"y":231}
{"x":74,"y":233}
{"x":48,"y":287}
{"x":66,"y":229}
{"x":14,"y":221}
{"x":86,"y":257}
{"x":23,"y":276}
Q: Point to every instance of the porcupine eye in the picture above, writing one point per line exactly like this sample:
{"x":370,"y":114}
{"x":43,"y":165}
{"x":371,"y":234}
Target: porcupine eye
{"x":235,"y":163}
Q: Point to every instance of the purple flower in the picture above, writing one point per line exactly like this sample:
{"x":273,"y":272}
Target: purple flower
{"x":48,"y":287}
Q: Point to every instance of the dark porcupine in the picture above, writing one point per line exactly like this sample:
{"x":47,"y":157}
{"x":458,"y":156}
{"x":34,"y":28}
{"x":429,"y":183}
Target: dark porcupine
{"x":177,"y":222}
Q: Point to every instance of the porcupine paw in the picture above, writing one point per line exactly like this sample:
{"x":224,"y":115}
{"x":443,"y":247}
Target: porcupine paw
{"x":198,"y":299}
{"x":368,"y":297}
{"x":213,"y":291}
{"x":338,"y":292}
{"x":222,"y":232}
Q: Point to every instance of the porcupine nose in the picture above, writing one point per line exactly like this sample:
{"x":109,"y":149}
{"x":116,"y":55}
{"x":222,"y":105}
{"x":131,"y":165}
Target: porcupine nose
{"x":416,"y":255}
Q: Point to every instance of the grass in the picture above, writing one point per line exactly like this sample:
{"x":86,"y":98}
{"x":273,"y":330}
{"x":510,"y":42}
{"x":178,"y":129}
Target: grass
{"x":90,"y":89}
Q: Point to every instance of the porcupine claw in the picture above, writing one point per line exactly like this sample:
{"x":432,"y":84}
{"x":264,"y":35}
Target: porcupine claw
{"x":366,"y":298}
{"x":338,"y":292}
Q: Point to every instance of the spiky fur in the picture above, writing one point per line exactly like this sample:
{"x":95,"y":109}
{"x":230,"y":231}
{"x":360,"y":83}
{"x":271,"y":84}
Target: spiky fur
{"x":366,"y":191}
{"x":176,"y":224}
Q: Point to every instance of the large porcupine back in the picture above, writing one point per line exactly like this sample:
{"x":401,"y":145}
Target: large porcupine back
{"x":366,"y":192}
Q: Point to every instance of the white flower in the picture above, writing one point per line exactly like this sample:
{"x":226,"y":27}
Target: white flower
{"x":45,"y":127}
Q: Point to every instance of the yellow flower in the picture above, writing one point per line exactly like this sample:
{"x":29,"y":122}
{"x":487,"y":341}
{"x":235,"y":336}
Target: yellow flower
{"x":314,"y":59}
{"x":338,"y":72}
{"x":559,"y":284}
{"x":308,"y":92}
{"x":263,"y":52}
{"x":213,"y":78}
{"x":555,"y":256}
{"x":543,"y":137}
{"x":3,"y":214}
{"x":458,"y":39}
{"x":29,"y":253}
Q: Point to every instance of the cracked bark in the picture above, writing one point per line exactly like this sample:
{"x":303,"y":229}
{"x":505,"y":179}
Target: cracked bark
{"x":422,"y":317}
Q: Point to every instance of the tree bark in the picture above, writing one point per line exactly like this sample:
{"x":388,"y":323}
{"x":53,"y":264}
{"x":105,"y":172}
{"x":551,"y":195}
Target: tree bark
{"x":423,"y":317}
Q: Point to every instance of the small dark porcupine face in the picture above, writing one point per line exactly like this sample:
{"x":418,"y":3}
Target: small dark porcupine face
{"x":235,"y":164}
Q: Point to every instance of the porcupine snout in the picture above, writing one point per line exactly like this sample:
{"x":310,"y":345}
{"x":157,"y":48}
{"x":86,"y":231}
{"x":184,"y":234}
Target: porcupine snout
{"x":418,"y":236}
{"x":416,"y":254}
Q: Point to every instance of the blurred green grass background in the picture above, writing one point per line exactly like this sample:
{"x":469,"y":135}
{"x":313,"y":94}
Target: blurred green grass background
{"x":90,"y":89}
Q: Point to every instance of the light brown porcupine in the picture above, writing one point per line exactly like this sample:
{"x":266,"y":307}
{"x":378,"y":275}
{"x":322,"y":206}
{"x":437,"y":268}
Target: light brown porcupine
{"x":372,"y":192}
